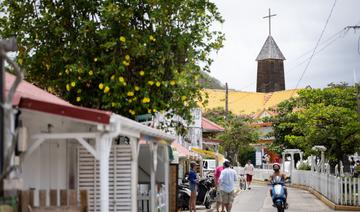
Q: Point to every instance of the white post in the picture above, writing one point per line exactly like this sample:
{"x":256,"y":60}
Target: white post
{"x":322,"y":162}
{"x":312,"y":158}
{"x":153,"y":150}
{"x":104,"y":144}
{"x":166,"y":163}
{"x":134,"y":172}
{"x":283,"y":161}
{"x":291,"y":163}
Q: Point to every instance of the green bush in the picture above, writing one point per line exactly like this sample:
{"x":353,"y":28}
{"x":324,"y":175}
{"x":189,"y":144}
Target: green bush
{"x":304,"y":166}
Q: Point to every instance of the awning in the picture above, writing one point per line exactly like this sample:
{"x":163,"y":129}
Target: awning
{"x":210,"y":154}
{"x":181,"y":150}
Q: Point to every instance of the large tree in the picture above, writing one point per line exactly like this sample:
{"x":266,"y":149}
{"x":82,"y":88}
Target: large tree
{"x":320,"y":117}
{"x":129,"y":56}
{"x":237,"y":136}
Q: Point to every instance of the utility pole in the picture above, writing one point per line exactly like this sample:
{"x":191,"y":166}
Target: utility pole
{"x":357,"y":96}
{"x":226,"y":99}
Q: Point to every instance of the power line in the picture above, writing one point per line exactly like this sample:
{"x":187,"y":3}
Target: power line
{"x":317,"y":52}
{"x":317,"y":44}
{"x":322,"y":42}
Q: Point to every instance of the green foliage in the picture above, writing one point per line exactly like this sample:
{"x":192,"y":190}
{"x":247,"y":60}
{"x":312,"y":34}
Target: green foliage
{"x":320,"y":117}
{"x":208,"y":81}
{"x":130,"y":57}
{"x":237,"y":136}
{"x":304,"y":166}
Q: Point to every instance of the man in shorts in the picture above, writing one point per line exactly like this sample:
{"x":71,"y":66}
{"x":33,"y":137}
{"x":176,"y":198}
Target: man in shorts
{"x":218,"y":171}
{"x":227,"y":186}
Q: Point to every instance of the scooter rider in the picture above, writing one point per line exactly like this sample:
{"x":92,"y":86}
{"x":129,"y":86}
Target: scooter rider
{"x":277,"y":172}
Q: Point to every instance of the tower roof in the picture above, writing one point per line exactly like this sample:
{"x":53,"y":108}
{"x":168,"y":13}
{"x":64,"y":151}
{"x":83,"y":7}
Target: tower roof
{"x":270,"y":50}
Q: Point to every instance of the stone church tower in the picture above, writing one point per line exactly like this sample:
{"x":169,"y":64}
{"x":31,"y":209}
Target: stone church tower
{"x":270,"y":70}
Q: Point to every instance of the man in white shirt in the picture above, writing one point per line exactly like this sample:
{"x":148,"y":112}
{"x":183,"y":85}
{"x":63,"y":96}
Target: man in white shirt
{"x":227,"y":185}
{"x":249,"y":171}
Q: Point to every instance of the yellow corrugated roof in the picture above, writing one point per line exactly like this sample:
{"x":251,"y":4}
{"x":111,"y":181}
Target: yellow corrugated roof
{"x":241,"y":102}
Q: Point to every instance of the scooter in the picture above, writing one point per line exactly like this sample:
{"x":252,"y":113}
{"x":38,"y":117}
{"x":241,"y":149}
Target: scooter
{"x":202,"y":197}
{"x":278,"y":193}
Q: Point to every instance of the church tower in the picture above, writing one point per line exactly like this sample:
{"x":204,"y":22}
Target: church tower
{"x":270,"y":70}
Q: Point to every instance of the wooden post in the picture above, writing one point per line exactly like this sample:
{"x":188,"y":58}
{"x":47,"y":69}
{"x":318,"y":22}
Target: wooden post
{"x":166,"y":169}
{"x":84,"y":200}
{"x":134,"y":172}
{"x":153,"y":150}
{"x":24,"y":200}
{"x":226,"y":99}
{"x":53,"y":197}
{"x":42,"y":198}
{"x":72,"y":198}
{"x":63,"y":198}
{"x":31,"y":197}
{"x":104,"y":144}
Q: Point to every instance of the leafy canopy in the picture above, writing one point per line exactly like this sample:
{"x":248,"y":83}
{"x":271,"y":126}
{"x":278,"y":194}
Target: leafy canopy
{"x":237,"y":136}
{"x":320,"y":117}
{"x":131,"y":57}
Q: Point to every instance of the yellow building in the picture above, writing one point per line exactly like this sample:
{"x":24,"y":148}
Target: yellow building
{"x":247,"y":103}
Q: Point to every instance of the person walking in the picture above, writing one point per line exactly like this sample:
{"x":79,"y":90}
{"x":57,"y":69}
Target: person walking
{"x":193,"y":181}
{"x":227,"y":186}
{"x":217,"y":174}
{"x":249,"y":171}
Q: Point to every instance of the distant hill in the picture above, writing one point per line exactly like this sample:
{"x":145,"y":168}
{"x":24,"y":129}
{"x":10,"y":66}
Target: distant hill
{"x":210,"y":82}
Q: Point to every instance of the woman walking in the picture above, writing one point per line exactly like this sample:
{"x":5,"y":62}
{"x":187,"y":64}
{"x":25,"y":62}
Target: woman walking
{"x":193,"y":186}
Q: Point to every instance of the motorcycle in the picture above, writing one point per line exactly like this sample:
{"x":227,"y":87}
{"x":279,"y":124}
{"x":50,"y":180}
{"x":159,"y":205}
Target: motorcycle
{"x":202,"y":196}
{"x":278,"y":194}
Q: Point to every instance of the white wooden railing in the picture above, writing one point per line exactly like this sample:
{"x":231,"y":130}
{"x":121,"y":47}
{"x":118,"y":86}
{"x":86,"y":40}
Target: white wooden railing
{"x":327,"y":185}
{"x":339,"y":190}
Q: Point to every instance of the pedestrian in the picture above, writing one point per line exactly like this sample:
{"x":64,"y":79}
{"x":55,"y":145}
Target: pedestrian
{"x":193,"y":181}
{"x":263,"y":161}
{"x":217,"y":174}
{"x":249,"y":171}
{"x":227,"y":186}
{"x":352,"y":165}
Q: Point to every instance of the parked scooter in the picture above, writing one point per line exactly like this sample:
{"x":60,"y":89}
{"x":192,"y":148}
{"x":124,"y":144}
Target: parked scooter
{"x":202,"y":197}
{"x":278,"y":194}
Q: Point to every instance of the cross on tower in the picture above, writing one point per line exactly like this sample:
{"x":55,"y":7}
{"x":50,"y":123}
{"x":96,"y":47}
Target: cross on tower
{"x":269,"y":17}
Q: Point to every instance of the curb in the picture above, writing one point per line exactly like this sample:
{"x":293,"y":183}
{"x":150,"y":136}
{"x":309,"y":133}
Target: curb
{"x":325,"y":200}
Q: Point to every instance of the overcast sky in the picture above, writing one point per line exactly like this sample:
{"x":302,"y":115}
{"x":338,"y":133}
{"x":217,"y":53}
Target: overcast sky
{"x":296,"y":29}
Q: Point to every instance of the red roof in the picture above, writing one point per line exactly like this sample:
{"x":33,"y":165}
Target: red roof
{"x":209,"y":126}
{"x":182,"y":151}
{"x":31,"y":97}
{"x":28,"y":90}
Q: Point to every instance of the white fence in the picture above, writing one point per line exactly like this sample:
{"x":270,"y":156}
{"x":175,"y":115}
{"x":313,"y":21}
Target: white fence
{"x":339,"y":190}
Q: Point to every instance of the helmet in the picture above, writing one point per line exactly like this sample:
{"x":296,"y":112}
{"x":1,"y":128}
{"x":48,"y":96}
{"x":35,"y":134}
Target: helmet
{"x":276,"y":164}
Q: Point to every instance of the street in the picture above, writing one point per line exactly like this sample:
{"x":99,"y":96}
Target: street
{"x":258,"y":200}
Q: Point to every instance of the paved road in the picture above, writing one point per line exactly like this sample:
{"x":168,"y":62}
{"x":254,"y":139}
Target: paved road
{"x":258,"y":200}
